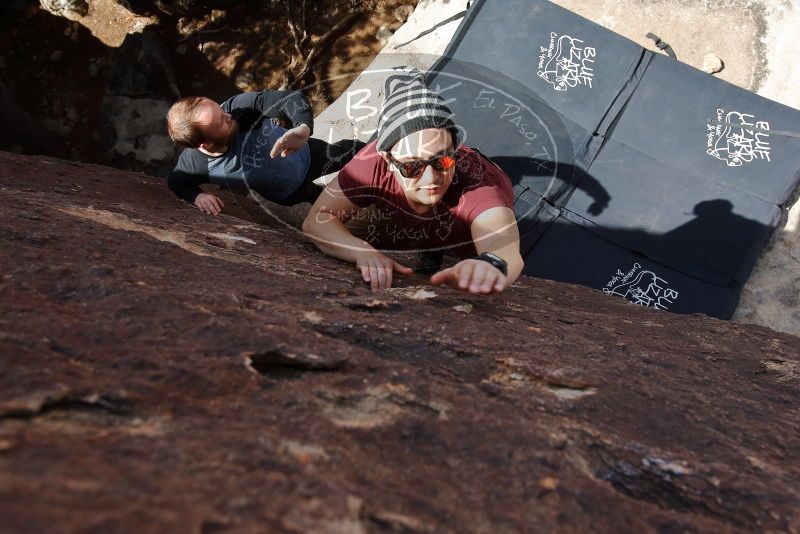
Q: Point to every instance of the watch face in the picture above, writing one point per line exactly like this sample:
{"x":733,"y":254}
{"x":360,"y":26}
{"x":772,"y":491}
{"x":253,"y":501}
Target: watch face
{"x":496,"y":258}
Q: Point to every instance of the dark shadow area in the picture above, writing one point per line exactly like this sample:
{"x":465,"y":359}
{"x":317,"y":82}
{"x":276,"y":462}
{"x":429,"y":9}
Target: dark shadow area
{"x":22,"y":132}
{"x":194,"y":73}
{"x":541,"y":176}
{"x":699,"y":267}
{"x":724,"y":239}
{"x":179,"y":7}
{"x":325,"y":159}
{"x":50,"y":102}
{"x":277,"y":371}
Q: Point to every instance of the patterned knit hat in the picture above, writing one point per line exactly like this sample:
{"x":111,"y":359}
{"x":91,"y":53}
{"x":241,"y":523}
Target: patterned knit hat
{"x":410,"y":107}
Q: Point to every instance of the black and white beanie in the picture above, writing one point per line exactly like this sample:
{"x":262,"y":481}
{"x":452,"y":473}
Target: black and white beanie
{"x":409,"y":107}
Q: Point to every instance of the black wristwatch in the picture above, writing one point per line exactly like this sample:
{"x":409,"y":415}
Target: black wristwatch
{"x":495,"y":261}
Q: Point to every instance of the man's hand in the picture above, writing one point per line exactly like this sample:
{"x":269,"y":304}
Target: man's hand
{"x":208,"y":203}
{"x":377,"y":269}
{"x":475,"y":276}
{"x":292,"y":141}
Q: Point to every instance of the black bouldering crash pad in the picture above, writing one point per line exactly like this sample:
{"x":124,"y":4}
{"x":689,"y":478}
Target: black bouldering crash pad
{"x":633,"y":173}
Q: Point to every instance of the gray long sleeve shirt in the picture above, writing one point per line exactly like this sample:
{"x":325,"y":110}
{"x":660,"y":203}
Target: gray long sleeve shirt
{"x":247,"y":163}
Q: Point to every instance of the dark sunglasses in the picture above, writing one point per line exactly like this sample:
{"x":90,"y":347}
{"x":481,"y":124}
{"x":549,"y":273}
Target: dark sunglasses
{"x":415,"y":168}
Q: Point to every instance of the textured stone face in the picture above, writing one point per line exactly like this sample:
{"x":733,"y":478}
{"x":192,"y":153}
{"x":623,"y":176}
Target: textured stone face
{"x":164,"y":370}
{"x":140,"y":90}
{"x":71,"y":9}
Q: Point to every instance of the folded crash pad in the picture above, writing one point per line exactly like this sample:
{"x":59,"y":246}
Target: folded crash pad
{"x":634,"y":173}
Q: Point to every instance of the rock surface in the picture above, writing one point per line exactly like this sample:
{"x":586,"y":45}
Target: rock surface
{"x":140,"y":89}
{"x":22,"y":132}
{"x":184,"y":7}
{"x":69,"y":9}
{"x":712,"y":63}
{"x":163,"y":370}
{"x":108,"y":20}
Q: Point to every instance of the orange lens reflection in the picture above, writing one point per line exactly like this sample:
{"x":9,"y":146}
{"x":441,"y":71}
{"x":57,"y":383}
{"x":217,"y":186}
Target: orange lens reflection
{"x":447,"y":162}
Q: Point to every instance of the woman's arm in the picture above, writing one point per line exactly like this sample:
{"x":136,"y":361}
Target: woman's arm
{"x":495,"y":230}
{"x":324,"y":224}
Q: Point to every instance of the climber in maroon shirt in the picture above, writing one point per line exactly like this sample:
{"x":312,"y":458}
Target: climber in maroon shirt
{"x":434,"y":196}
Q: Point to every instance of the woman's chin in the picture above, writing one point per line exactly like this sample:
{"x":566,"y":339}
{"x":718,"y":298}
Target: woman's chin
{"x":431,"y":196}
{"x":427,"y":197}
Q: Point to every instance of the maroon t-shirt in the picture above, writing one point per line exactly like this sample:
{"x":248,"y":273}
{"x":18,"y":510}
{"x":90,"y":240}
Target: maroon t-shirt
{"x":477,"y":186}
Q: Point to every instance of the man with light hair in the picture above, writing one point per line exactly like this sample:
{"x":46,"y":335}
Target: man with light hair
{"x":256,"y":140}
{"x":435,"y":195}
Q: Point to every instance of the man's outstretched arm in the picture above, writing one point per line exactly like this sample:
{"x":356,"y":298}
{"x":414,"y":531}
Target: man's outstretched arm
{"x":185,"y":179}
{"x":186,"y":185}
{"x":291,"y":106}
{"x":325,"y":226}
{"x":494,"y":231}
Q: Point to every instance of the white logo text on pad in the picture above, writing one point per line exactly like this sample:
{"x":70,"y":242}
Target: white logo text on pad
{"x":566,"y":62}
{"x":641,"y":287}
{"x":737,"y":138}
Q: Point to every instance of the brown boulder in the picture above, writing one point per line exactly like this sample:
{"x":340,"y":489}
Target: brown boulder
{"x":163,"y":370}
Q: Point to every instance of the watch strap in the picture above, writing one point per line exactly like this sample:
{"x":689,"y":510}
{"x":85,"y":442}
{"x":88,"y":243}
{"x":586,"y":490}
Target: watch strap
{"x":495,"y":261}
